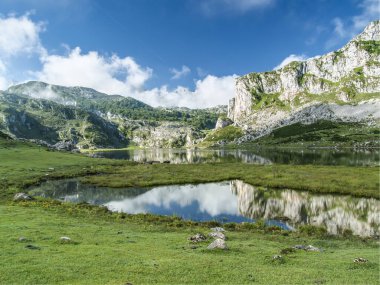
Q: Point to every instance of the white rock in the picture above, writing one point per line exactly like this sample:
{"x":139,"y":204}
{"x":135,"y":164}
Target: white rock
{"x":218,"y":243}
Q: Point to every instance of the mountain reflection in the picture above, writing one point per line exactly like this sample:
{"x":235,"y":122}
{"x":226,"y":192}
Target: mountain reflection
{"x":253,"y":156}
{"x":333,"y":212}
{"x":233,"y":201}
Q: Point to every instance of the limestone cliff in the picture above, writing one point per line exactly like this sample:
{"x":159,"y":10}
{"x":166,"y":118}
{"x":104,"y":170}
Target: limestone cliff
{"x":343,"y":85}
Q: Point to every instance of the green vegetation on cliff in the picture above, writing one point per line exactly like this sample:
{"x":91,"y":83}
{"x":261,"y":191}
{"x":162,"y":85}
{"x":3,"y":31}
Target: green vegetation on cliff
{"x":324,"y":133}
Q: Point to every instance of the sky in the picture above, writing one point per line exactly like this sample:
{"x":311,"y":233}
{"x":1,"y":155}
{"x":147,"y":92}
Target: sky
{"x":168,"y":52}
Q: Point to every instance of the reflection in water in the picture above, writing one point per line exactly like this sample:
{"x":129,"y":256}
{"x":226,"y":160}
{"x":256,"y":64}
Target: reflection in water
{"x":335,"y":213}
{"x":257,"y":156}
{"x":233,"y":201}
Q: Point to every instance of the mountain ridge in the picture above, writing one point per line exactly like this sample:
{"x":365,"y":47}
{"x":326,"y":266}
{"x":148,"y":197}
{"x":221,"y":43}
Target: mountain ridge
{"x":337,"y":86}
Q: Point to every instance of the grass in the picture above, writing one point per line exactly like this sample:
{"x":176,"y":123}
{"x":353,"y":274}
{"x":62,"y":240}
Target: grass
{"x":25,"y":164}
{"x":116,"y":248}
{"x":227,"y":134}
{"x":323,"y":133}
{"x":110,"y":251}
{"x":356,"y":181}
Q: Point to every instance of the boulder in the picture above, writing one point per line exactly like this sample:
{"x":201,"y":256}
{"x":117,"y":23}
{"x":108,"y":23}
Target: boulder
{"x":65,"y":239}
{"x":218,"y":244}
{"x":222,"y":122}
{"x":217,"y":235}
{"x":197,"y":238}
{"x":217,"y":229}
{"x":360,"y":260}
{"x":22,"y":197}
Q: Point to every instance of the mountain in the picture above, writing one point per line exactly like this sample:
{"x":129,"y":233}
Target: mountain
{"x":87,"y":118}
{"x":47,"y":121}
{"x":340,"y":87}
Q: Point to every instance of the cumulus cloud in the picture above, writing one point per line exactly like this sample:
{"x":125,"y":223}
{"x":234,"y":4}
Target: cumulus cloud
{"x":19,"y":39}
{"x":108,"y":74}
{"x":354,"y":25}
{"x":113,"y":75}
{"x":289,"y":59}
{"x":208,"y":92}
{"x":212,"y":7}
{"x":19,"y":35}
{"x":177,"y":74}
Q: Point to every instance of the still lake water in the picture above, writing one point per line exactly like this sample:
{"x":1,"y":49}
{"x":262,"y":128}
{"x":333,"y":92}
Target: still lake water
{"x":232,"y":201}
{"x":257,"y":156}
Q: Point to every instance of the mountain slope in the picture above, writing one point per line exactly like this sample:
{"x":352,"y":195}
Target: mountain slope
{"x":341,"y":86}
{"x":24,"y":117}
{"x":87,"y":118}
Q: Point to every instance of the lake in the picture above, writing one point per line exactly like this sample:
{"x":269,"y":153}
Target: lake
{"x":258,"y":156}
{"x":231,"y":201}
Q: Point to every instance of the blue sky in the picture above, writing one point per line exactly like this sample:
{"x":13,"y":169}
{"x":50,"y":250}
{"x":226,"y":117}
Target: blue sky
{"x":168,"y":52}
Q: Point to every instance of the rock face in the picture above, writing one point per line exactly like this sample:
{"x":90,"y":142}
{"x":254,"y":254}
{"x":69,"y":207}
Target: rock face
{"x":166,"y":135}
{"x":340,"y":86}
{"x":222,"y":122}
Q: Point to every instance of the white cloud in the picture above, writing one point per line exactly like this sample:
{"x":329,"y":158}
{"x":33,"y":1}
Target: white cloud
{"x":210,"y":91}
{"x":19,"y":35}
{"x":180,"y":73}
{"x":113,"y":75}
{"x":289,"y":59}
{"x":212,"y":7}
{"x":344,"y":30}
{"x":19,"y":39}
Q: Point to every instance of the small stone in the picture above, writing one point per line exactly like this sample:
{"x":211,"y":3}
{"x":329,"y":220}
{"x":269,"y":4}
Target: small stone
{"x":218,"y":243}
{"x":217,"y":235}
{"x":276,"y":257}
{"x":51,"y":168}
{"x":312,"y":248}
{"x":197,"y":238}
{"x":33,"y":247}
{"x":217,"y":229}
{"x":360,"y":260}
{"x":22,"y":197}
{"x":307,"y":247}
{"x":22,"y":239}
{"x":65,"y":239}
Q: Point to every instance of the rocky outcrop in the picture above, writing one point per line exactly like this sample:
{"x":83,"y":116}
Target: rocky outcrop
{"x":165,"y":135}
{"x":223,"y":122}
{"x":340,"y":86}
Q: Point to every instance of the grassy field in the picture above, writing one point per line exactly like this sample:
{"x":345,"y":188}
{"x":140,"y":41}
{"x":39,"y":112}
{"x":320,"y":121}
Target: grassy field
{"x":356,"y":181}
{"x":114,"y":248}
{"x":111,"y":251}
{"x":25,"y":164}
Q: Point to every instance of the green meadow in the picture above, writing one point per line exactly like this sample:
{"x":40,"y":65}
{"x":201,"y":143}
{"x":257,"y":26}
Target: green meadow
{"x":115,"y":248}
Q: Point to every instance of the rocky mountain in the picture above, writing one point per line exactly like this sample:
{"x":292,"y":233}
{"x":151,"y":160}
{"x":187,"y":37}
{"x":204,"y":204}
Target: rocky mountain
{"x":341,"y":86}
{"x":87,"y":118}
{"x":51,"y":123}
